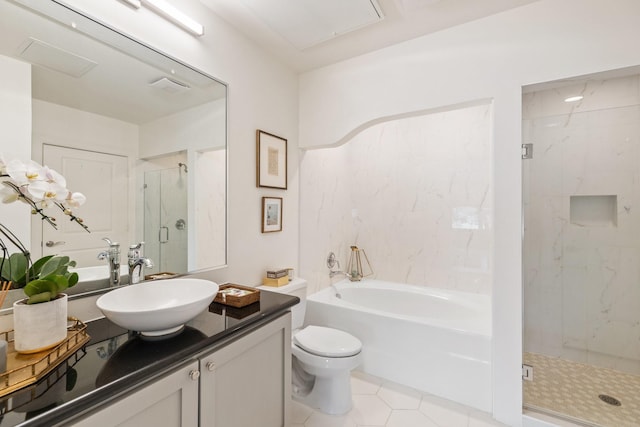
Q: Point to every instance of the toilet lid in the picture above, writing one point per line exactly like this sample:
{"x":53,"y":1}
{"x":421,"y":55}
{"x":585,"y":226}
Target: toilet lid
{"x":327,"y":342}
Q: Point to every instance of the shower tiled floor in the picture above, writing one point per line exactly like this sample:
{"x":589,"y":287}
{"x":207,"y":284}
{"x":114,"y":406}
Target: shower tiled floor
{"x":571,"y":390}
{"x":381,"y":403}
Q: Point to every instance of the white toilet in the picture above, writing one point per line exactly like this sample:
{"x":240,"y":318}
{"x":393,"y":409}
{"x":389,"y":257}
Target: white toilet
{"x":323,"y":358}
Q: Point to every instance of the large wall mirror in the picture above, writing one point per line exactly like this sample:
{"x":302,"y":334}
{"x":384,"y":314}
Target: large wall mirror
{"x":141,"y":134}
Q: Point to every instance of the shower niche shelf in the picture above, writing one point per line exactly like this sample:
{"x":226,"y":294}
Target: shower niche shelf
{"x":593,"y":211}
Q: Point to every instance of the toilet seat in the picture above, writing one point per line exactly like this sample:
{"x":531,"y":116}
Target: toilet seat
{"x":327,"y":342}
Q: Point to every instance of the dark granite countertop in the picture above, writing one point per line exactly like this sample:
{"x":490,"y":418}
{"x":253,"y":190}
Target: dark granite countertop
{"x":117,"y":360}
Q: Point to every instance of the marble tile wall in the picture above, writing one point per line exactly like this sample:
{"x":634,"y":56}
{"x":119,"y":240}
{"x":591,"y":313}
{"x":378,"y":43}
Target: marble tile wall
{"x":414,"y":193}
{"x":582,"y":250}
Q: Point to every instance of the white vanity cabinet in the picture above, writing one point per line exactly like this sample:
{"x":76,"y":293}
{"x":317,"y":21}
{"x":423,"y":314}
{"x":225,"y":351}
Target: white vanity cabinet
{"x":170,"y":401}
{"x":248,"y":381}
{"x":243,"y":381}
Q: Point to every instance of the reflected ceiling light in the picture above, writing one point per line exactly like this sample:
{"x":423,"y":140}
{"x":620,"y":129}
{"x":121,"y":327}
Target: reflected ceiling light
{"x":169,"y":12}
{"x":132,"y":3}
{"x":574,"y":98}
{"x":169,"y":85}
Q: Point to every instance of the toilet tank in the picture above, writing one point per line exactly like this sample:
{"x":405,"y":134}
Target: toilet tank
{"x":297,"y":287}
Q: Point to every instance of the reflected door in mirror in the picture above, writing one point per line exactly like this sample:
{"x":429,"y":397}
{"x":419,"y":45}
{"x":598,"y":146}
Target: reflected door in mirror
{"x":103,"y":179}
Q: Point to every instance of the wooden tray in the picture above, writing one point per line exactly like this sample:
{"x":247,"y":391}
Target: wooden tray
{"x":225,"y":296}
{"x":26,"y":369}
{"x":160,"y":276}
{"x":237,"y":313}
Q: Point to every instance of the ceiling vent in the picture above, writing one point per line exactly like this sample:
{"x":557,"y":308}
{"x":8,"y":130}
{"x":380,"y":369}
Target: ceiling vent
{"x":306,"y":23}
{"x":45,"y":55}
{"x":169,"y":85}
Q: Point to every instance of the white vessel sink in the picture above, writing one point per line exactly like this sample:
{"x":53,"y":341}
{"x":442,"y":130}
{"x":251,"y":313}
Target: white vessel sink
{"x":158,"y":307}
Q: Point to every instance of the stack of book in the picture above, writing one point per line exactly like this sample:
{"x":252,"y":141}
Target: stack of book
{"x":276,"y":278}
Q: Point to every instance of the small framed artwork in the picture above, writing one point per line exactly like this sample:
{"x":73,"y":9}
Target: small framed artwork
{"x":271,"y":214}
{"x":271,"y":160}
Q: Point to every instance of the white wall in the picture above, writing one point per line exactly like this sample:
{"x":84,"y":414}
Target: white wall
{"x":15,"y":142}
{"x":262,"y":95}
{"x":486,"y":59}
{"x":414,"y":193}
{"x":198,"y":128}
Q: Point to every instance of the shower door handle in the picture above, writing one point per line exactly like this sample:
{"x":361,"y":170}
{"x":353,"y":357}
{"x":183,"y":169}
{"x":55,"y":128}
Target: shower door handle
{"x":166,"y":234}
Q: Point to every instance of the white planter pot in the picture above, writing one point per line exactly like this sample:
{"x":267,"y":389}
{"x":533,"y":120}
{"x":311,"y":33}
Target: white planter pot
{"x":38,"y":327}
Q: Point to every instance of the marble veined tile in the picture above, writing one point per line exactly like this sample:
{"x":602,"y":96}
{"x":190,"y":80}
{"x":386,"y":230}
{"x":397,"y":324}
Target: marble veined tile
{"x":393,"y":190}
{"x":598,"y":95}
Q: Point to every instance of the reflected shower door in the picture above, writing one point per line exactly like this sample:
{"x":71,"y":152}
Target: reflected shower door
{"x":165,"y":219}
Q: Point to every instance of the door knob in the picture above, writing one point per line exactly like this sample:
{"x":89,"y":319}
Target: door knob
{"x":211,"y":366}
{"x":51,"y":243}
{"x":194,"y":375}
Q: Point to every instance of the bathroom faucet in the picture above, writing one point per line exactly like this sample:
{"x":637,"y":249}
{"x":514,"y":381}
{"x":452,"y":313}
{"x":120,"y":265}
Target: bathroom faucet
{"x":137,"y":263}
{"x":112,"y":255}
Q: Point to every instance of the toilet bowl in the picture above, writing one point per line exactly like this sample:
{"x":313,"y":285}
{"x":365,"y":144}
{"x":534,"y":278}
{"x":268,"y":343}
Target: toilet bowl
{"x":322,"y":359}
{"x":327,"y":355}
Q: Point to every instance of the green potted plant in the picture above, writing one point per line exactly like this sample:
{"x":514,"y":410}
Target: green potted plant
{"x":40,"y":319}
{"x":43,"y":281}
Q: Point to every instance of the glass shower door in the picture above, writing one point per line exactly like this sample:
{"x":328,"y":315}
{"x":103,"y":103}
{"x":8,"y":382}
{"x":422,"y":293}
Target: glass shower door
{"x":165,"y":226}
{"x":581,"y":194}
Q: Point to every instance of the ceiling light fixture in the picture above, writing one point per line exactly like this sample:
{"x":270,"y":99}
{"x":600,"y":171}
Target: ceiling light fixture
{"x":574,"y":98}
{"x":169,"y":12}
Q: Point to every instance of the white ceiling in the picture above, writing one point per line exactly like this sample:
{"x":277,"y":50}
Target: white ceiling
{"x":285,"y":27}
{"x":80,"y":72}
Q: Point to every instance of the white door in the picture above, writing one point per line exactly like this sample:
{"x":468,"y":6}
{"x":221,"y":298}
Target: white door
{"x":104,"y":180}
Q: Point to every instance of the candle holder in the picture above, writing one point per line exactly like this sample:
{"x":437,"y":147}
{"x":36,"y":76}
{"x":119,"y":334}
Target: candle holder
{"x":356,"y":270}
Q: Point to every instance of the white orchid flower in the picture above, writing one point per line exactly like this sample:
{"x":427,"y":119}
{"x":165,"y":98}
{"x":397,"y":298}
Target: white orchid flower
{"x":75,"y":199}
{"x":25,"y":173}
{"x":52,"y":176}
{"x":3,"y":165}
{"x":8,"y":195}
{"x":47,"y":191}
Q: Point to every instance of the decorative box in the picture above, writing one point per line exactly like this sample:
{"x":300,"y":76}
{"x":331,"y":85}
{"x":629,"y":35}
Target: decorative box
{"x":237,"y":295}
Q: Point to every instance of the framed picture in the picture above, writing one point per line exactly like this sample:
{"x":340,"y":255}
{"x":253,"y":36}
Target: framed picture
{"x":271,"y":214}
{"x":271,"y":160}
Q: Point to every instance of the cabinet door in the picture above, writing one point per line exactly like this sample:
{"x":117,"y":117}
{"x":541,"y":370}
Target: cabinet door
{"x":169,"y":401}
{"x":248,"y":382}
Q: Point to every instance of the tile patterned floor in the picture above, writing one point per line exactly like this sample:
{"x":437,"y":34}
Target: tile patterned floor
{"x":379,"y":403}
{"x":571,"y":389}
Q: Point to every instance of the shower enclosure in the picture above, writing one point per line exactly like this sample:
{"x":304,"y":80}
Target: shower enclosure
{"x":581,"y":250}
{"x":165,"y":216}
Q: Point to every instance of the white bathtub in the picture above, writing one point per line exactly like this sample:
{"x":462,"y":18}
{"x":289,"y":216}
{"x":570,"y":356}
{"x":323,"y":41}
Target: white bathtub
{"x":435,"y":340}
